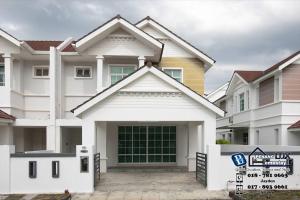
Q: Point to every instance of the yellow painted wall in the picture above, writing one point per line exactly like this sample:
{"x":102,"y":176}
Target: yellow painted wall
{"x":193,"y":71}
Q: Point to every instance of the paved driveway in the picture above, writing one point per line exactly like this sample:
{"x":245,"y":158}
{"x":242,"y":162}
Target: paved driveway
{"x":137,"y":185}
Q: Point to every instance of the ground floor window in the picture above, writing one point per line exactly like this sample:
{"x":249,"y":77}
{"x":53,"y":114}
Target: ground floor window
{"x":146,"y":144}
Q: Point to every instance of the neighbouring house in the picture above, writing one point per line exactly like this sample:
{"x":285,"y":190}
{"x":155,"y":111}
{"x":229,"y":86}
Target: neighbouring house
{"x":262,"y":107}
{"x":131,"y":92}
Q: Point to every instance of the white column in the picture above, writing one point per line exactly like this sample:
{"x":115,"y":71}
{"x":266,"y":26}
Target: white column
{"x":141,"y":61}
{"x":100,"y":85}
{"x":251,"y":136}
{"x":209,"y":133}
{"x":58,"y":139}
{"x":50,"y":138}
{"x":88,"y":133}
{"x":193,"y":144}
{"x":101,"y":144}
{"x":8,"y":70}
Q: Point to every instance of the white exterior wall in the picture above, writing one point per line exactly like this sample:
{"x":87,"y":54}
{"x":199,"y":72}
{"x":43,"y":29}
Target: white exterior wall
{"x":15,"y":178}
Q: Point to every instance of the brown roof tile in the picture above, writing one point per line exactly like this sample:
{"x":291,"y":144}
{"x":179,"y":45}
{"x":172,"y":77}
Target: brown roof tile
{"x":249,"y":75}
{"x":4,"y":115}
{"x":45,"y":45}
{"x":295,"y":125}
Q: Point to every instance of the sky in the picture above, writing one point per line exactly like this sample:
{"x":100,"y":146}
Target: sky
{"x":239,"y":35}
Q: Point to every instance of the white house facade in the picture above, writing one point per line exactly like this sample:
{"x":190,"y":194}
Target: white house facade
{"x":110,"y":92}
{"x":262,"y":107}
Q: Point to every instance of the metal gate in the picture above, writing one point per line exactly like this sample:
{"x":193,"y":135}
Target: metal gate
{"x":96,"y":168}
{"x":201,"y":168}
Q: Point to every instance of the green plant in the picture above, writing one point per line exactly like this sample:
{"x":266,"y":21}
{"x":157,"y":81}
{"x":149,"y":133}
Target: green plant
{"x":222,"y":141}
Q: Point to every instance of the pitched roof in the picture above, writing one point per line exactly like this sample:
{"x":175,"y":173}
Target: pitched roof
{"x":208,"y":58}
{"x":295,"y":125}
{"x":4,"y":115}
{"x":133,"y":76}
{"x":112,"y":22}
{"x":249,"y":76}
{"x":44,"y":45}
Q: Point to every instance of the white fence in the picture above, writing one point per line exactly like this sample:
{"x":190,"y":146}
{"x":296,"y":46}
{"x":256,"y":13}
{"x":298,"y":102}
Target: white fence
{"x":222,"y":171}
{"x":16,"y":174}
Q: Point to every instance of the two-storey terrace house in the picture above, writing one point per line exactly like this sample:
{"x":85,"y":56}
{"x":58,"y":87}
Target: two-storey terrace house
{"x":262,"y":107}
{"x":132,"y":91}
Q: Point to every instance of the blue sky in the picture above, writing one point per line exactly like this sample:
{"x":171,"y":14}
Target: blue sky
{"x":244,"y":35}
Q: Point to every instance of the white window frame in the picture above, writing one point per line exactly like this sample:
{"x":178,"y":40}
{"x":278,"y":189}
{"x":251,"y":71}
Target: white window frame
{"x":174,"y":68}
{"x":119,"y":65}
{"x":40,"y":67}
{"x":2,"y":64}
{"x":83,"y":67}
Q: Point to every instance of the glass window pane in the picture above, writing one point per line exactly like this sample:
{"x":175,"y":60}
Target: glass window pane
{"x":45,"y":72}
{"x":142,"y":158}
{"x":136,"y":159}
{"x":38,"y":72}
{"x":158,"y":158}
{"x":1,"y":69}
{"x":128,"y":159}
{"x":151,"y":158}
{"x":116,"y":70}
{"x":166,"y":158}
{"x":128,"y":70}
{"x":173,"y":158}
{"x":177,"y":73}
{"x":121,"y":159}
{"x":142,"y":150}
{"x":87,"y":73}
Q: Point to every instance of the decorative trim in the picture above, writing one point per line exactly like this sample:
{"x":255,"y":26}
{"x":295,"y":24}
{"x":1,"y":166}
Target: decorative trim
{"x":150,"y":93}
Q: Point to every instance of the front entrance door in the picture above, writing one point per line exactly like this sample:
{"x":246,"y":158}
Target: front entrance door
{"x":147,"y":144}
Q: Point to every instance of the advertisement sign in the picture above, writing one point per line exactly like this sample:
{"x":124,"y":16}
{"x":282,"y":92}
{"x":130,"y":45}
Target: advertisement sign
{"x":262,"y":170}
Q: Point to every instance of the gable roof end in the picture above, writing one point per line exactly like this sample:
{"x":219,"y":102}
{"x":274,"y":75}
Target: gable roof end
{"x":249,"y":76}
{"x":9,"y":37}
{"x":107,"y":25}
{"x":179,"y":40}
{"x":135,"y":75}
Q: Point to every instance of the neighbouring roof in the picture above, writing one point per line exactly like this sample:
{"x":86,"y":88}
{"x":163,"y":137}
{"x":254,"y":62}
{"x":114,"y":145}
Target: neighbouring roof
{"x":42,"y":45}
{"x":295,"y":125}
{"x":4,"y":115}
{"x":133,"y":76}
{"x":249,"y":76}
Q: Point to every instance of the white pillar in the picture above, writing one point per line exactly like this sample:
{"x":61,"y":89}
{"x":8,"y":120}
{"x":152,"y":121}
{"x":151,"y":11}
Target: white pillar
{"x":209,"y":133}
{"x":8,"y":70}
{"x":141,"y":61}
{"x":101,"y":144}
{"x":100,"y":85}
{"x":58,"y":139}
{"x":88,"y":133}
{"x":193,"y":144}
{"x":251,"y":136}
{"x":50,"y":138}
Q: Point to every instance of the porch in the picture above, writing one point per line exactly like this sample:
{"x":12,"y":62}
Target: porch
{"x":147,"y":144}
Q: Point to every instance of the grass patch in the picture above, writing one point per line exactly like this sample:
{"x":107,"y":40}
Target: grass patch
{"x":267,"y":195}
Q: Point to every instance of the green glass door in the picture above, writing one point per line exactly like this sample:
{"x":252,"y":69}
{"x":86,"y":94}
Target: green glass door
{"x":142,"y":144}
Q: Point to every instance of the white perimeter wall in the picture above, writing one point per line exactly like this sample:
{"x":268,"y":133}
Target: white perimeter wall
{"x":221,"y":168}
{"x":15,"y":177}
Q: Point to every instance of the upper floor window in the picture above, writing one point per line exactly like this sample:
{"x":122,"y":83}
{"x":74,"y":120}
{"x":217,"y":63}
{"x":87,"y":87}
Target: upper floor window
{"x":40,"y":71}
{"x":83,"y":72}
{"x":175,"y":73}
{"x":118,"y":72}
{"x":242,"y":102}
{"x":2,"y":75}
